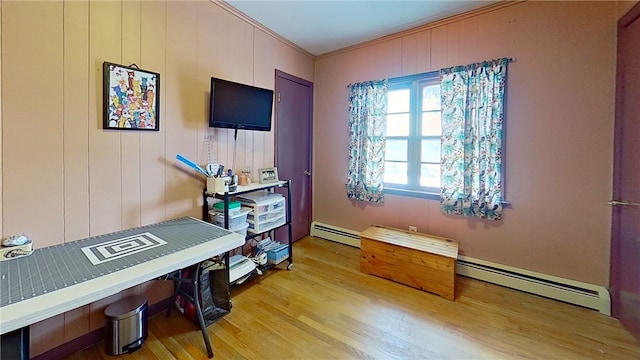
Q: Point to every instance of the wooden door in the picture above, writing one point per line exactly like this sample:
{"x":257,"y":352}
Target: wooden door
{"x":625,"y":237}
{"x":294,"y":116}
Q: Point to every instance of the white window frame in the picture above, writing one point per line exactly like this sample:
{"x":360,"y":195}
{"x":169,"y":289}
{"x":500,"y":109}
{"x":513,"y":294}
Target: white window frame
{"x":413,"y":188}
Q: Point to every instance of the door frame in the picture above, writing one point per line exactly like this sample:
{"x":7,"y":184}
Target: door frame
{"x":283,"y":75}
{"x":633,"y":15}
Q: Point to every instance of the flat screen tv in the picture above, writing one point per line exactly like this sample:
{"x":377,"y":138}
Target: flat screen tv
{"x":239,"y":106}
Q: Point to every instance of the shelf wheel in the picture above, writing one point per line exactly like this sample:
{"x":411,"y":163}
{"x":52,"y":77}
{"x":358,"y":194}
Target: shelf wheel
{"x":290,"y":266}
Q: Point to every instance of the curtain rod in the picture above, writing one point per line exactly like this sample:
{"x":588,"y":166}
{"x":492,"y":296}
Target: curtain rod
{"x":509,"y":59}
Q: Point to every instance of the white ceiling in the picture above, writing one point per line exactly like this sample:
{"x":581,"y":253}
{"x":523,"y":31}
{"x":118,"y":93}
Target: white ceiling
{"x":322,"y":26}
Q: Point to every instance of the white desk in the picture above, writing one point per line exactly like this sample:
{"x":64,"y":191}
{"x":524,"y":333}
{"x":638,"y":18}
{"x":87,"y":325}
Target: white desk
{"x":23,"y":313}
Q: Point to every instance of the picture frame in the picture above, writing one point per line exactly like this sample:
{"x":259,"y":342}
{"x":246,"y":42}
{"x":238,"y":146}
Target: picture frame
{"x":268,"y":175}
{"x":131,"y":98}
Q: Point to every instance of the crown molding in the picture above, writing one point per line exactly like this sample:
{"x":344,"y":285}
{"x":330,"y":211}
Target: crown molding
{"x":224,"y":5}
{"x":451,"y":19}
{"x":428,"y":26}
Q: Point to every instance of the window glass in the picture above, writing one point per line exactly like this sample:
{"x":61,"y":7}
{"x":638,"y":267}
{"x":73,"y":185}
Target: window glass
{"x":412,"y":160}
{"x":430,"y":175}
{"x":431,"y":97}
{"x":398,"y":101}
{"x":396,"y":150}
{"x":398,"y":124}
{"x":431,"y":123}
{"x":395,"y":172}
{"x":430,"y":151}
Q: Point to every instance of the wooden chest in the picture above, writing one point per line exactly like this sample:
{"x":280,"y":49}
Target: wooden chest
{"x":422,"y":261}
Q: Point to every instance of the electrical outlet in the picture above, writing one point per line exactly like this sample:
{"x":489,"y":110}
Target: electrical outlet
{"x":413,"y":228}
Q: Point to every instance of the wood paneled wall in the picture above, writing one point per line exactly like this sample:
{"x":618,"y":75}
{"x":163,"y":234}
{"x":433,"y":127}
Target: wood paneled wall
{"x":559,"y":131}
{"x":65,"y":178}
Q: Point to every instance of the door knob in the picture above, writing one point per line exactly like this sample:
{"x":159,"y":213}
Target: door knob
{"x":621,"y":203}
{"x":306,"y":172}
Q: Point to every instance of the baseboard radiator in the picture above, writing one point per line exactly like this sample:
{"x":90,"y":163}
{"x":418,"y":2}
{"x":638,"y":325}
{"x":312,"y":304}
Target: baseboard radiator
{"x":570,"y":291}
{"x":334,"y":233}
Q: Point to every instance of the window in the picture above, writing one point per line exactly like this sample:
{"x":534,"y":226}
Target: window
{"x":412,"y":159}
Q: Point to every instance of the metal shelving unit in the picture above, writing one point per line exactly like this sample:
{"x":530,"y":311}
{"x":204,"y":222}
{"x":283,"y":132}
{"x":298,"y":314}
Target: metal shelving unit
{"x":228,"y":196}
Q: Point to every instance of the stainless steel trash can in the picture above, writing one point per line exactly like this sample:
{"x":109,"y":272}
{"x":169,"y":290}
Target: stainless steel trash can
{"x":126,"y":327}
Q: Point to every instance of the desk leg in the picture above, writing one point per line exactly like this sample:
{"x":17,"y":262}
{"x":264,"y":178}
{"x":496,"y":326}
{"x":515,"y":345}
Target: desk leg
{"x":195,"y":298}
{"x":196,"y":301}
{"x":177,"y":283}
{"x":15,"y":344}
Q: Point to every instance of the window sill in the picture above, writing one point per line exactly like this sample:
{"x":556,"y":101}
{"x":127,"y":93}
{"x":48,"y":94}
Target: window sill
{"x":427,"y":195}
{"x":412,"y":193}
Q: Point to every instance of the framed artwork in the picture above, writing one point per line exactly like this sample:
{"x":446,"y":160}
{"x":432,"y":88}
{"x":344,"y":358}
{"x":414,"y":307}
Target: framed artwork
{"x":131,"y":98}
{"x":268,"y":175}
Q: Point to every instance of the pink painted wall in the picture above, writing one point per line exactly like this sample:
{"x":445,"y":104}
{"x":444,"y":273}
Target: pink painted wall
{"x":64,"y":178}
{"x":559,"y":127}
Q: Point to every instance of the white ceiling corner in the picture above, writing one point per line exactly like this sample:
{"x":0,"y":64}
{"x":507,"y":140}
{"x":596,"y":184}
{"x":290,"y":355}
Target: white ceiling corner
{"x":322,"y":26}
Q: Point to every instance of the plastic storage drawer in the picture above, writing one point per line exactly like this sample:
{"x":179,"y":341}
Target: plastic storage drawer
{"x":242,"y":230}
{"x":268,"y":212}
{"x":236,"y":218}
{"x":257,"y":227}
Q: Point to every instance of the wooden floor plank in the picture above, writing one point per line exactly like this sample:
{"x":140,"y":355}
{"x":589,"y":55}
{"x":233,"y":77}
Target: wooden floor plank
{"x":325,"y":308}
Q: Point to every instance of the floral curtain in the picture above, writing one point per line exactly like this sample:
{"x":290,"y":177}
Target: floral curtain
{"x":367,"y":132}
{"x":472,"y":123}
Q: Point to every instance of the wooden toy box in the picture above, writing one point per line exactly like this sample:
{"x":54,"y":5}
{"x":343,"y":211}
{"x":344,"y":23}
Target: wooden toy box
{"x":422,"y":261}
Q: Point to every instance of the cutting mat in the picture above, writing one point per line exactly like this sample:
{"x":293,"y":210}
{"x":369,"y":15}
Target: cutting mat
{"x":60,"y":266}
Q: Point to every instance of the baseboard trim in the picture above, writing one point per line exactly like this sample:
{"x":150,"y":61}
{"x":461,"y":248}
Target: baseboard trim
{"x":335,"y":233}
{"x":553,"y":287}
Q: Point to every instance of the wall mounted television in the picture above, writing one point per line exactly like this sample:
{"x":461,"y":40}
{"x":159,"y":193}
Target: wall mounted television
{"x":239,"y":106}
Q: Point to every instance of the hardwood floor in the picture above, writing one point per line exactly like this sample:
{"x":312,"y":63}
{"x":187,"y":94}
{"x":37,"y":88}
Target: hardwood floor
{"x":324,"y":308}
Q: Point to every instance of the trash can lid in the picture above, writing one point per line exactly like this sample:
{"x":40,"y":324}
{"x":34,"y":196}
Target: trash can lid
{"x":125,"y":308}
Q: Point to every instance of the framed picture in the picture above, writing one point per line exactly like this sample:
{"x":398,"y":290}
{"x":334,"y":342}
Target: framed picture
{"x":268,"y":175}
{"x":131,"y":98}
